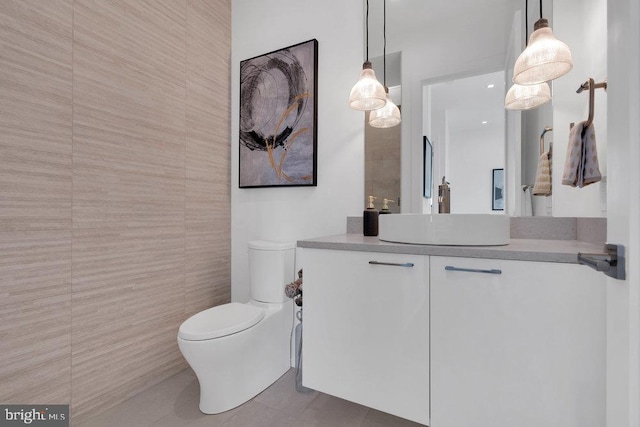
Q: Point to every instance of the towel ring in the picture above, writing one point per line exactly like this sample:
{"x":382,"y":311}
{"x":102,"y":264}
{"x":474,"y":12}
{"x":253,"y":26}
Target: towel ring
{"x":592,"y":86}
{"x":546,"y":129}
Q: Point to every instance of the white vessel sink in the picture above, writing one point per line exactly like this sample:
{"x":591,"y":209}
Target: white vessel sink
{"x":445,"y":229}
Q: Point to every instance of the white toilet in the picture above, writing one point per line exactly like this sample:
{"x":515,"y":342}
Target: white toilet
{"x":238,"y":350}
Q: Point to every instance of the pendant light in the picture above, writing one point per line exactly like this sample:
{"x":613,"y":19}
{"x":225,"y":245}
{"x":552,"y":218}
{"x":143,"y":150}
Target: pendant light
{"x":527,"y":97}
{"x":367,"y":94}
{"x":389,"y":115}
{"x":545,"y":58}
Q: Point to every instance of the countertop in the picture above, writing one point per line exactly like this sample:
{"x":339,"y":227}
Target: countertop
{"x":539,"y":250}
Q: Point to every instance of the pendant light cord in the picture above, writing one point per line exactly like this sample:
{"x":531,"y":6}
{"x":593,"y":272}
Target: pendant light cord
{"x":384,"y":45}
{"x":540,"y":9}
{"x":367,"y":27}
{"x":526,"y":23}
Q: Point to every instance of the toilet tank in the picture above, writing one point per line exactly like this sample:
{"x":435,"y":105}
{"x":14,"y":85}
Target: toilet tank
{"x":271,"y":268}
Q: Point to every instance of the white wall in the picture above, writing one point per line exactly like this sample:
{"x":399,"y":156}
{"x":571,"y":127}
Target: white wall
{"x":290,"y":214}
{"x":583,"y":26}
{"x":472,"y":157}
{"x":623,"y":212}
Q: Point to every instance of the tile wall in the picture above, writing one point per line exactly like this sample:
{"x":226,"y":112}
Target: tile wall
{"x":114,"y":192}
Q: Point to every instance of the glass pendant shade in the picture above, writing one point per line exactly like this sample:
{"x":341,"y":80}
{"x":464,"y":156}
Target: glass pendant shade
{"x":387,"y":116}
{"x":526,"y":97}
{"x":368,"y":93}
{"x":545,"y":58}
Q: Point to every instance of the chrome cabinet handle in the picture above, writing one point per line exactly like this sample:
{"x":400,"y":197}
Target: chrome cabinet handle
{"x":473,"y":270}
{"x":393,"y":264}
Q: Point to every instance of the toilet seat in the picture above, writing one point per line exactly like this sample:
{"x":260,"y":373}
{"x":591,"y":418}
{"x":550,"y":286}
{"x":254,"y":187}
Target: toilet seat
{"x":220,"y":321}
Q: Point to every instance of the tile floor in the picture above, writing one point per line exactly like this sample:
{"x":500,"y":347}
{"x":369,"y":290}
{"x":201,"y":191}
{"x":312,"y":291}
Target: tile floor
{"x":174,"y":403}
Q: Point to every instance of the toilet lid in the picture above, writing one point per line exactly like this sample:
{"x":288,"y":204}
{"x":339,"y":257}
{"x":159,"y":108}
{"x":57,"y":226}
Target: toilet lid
{"x":220,"y":321}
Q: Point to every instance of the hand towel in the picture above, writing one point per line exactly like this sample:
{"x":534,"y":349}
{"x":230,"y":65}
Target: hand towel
{"x":581,"y":165}
{"x":542,"y":186}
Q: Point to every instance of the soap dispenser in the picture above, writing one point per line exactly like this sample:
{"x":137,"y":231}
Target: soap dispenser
{"x":370,"y":219}
{"x":385,"y":206}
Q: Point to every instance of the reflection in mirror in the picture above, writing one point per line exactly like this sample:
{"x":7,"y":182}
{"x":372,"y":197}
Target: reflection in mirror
{"x":443,"y":41}
{"x":383,"y":146}
{"x":464,"y":119}
{"x":382,"y":164}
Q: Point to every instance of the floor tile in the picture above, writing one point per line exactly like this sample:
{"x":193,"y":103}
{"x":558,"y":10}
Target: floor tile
{"x":174,"y":403}
{"x":282,"y":395}
{"x":376,"y":418}
{"x":327,"y":410}
{"x":189,"y":415}
{"x":254,"y":414}
{"x":151,"y":405}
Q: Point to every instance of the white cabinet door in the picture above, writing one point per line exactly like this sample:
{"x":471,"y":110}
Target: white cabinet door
{"x":523,"y":348}
{"x":366,"y":329}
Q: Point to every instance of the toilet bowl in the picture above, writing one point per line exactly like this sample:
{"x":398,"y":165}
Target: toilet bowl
{"x":237,"y":350}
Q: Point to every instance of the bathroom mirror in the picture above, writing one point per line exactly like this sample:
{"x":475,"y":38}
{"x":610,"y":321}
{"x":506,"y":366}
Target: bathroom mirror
{"x":465,"y":120}
{"x":436,"y":43}
{"x":439,"y":42}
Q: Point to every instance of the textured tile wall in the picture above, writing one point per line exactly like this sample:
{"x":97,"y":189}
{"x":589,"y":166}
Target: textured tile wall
{"x":35,"y":200}
{"x":114,"y":191}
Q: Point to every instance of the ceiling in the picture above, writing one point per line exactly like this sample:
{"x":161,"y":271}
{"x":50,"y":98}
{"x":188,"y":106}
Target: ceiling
{"x":469,"y":102}
{"x":474,"y":20}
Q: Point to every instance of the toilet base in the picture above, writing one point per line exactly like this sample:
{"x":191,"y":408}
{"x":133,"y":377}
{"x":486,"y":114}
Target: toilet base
{"x":233,"y":369}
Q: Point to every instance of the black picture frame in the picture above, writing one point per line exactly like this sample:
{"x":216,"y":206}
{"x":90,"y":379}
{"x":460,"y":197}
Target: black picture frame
{"x":279,"y":118}
{"x":427,"y":182}
{"x":497,"y":190}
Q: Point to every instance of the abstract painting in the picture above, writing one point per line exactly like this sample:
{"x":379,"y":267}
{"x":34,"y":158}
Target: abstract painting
{"x":278,"y":117}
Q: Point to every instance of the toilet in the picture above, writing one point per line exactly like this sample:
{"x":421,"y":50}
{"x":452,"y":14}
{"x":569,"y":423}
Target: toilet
{"x":238,"y":350}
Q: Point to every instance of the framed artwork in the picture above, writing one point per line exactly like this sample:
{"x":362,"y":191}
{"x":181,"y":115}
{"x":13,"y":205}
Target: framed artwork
{"x":278,"y":118}
{"x":428,"y":167}
{"x":497,"y":190}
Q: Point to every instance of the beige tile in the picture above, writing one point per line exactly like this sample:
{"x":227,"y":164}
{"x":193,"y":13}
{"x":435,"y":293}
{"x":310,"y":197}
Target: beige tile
{"x":105,"y":198}
{"x":35,"y":188}
{"x":35,"y":75}
{"x":207,"y":205}
{"x":209,"y":20}
{"x":327,"y":410}
{"x":208,"y":100}
{"x":207,"y":246}
{"x":35,"y":115}
{"x":35,"y":317}
{"x":128,"y":300}
{"x":208,"y":128}
{"x":103,"y":103}
{"x":143,"y":37}
{"x":254,"y":414}
{"x":207,"y":267}
{"x":283,"y":396}
{"x":125,"y":119}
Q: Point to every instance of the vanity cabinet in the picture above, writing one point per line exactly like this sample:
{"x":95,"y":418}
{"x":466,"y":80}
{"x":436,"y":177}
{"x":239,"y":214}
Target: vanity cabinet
{"x":522,"y":348}
{"x":366,"y":329}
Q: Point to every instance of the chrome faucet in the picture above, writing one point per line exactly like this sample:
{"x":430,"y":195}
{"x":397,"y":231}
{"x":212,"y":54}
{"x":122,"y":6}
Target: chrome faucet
{"x":444,"y":197}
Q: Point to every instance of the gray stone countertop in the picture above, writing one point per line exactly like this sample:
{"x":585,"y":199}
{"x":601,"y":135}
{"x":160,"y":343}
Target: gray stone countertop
{"x":562,"y":251}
